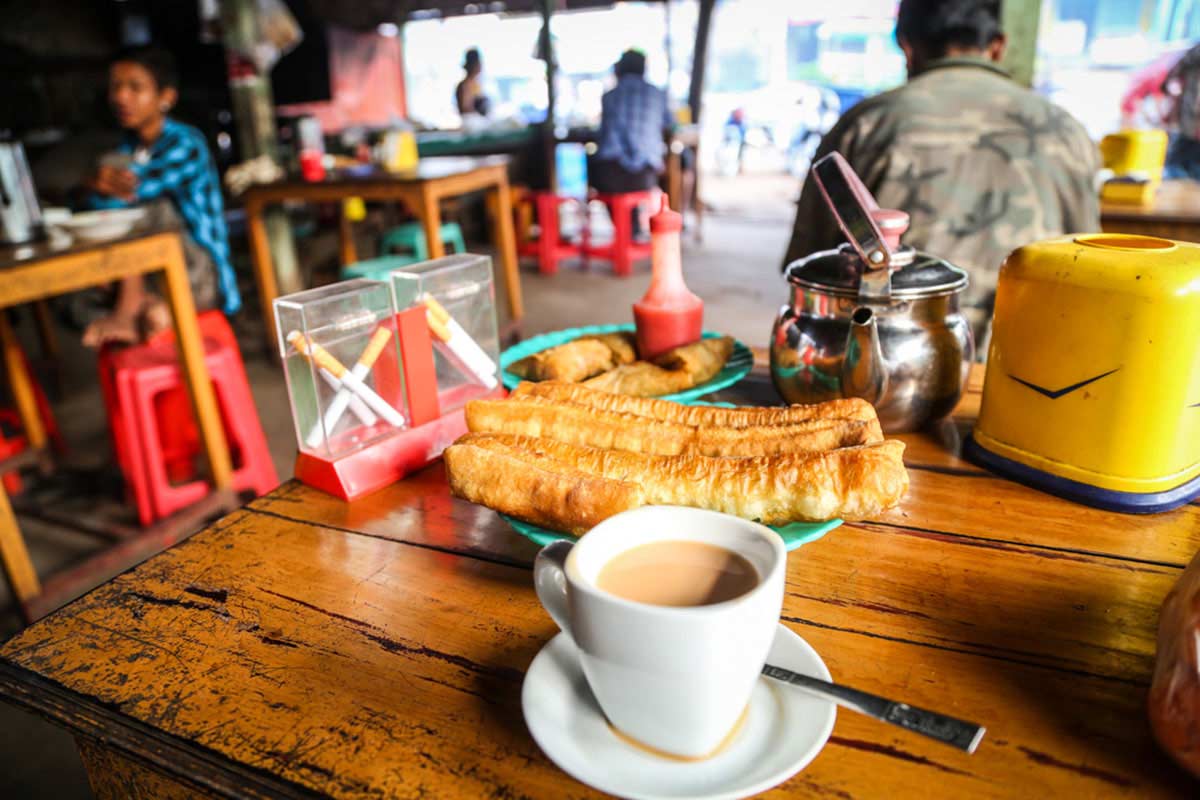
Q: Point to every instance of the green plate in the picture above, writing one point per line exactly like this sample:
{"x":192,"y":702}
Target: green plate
{"x":736,"y":368}
{"x":793,"y":535}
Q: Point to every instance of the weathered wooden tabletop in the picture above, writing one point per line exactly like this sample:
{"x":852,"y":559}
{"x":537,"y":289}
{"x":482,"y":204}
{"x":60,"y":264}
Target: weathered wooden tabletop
{"x":304,"y":645}
{"x":1173,"y":214}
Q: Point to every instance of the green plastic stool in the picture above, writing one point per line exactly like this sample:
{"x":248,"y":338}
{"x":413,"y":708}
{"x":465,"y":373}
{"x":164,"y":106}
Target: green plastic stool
{"x":411,"y":238}
{"x":376,"y":269}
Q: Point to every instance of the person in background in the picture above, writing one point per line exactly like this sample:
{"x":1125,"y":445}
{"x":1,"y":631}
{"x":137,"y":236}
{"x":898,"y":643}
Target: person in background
{"x":164,"y":163}
{"x":981,"y":164}
{"x":1144,"y":102}
{"x":468,"y":95}
{"x":633,"y":117}
{"x":1182,"y":89}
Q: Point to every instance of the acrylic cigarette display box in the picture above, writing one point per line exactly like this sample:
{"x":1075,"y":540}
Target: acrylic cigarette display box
{"x":452,"y":301}
{"x":377,"y":388}
{"x":341,"y":359}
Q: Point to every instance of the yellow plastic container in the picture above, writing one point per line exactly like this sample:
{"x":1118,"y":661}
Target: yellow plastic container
{"x":1135,"y":152}
{"x":1126,"y":192}
{"x":1092,"y":388}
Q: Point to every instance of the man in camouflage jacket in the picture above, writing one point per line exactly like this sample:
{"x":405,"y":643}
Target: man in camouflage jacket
{"x":981,"y":164}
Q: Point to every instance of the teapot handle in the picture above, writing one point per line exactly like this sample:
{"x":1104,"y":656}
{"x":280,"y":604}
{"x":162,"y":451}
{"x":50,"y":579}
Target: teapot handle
{"x":852,"y":206}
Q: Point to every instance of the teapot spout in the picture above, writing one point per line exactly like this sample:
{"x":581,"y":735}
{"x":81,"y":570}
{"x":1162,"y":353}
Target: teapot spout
{"x":864,"y":373}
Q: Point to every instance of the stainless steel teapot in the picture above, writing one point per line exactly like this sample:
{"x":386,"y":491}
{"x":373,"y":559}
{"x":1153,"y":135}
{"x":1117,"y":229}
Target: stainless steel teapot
{"x":872,"y":319}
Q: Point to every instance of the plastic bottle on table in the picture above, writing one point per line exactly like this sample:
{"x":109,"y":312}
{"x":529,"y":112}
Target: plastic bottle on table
{"x":669,"y":315}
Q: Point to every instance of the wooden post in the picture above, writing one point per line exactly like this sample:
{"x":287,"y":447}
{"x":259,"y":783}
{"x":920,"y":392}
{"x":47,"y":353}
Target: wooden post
{"x":254,"y":111}
{"x":700,"y":57}
{"x":1019,"y":19}
{"x":549,"y":140}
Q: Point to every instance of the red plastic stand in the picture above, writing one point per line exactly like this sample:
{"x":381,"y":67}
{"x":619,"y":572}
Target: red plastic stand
{"x":420,"y":374}
{"x":388,"y":460}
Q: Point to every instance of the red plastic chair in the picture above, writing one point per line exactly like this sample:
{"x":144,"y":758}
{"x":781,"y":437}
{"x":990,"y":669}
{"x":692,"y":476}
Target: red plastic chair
{"x":549,"y":248}
{"x":154,"y":432}
{"x":622,"y":251}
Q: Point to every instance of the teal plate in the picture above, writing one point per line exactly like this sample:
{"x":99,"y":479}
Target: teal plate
{"x":736,"y":368}
{"x":793,"y":535}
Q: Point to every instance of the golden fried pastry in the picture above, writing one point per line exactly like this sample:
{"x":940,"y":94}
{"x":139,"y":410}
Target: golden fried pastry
{"x":851,"y":482}
{"x":641,"y":379}
{"x":564,"y":422}
{"x":674,"y":371}
{"x":538,"y":492}
{"x":700,"y":416}
{"x":623,"y":345}
{"x":701,"y":360}
{"x":578,"y":359}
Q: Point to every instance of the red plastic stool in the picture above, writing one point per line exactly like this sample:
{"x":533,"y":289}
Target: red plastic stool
{"x":16,"y":442}
{"x":12,"y":445}
{"x":623,"y":250}
{"x":154,"y":431}
{"x":549,"y":248}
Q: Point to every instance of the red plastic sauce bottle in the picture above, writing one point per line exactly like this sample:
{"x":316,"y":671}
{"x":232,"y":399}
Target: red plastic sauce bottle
{"x":669,"y":315}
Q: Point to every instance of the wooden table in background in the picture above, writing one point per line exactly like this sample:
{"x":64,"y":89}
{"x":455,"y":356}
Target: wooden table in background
{"x":34,"y":272}
{"x":304,"y":645}
{"x":421,"y":190}
{"x":1175,"y":214}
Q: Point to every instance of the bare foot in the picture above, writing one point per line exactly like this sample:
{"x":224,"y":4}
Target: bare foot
{"x":156,"y":317}
{"x":116,"y":328}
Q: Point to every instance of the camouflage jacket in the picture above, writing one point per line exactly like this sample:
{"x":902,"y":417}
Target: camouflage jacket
{"x":980,"y":163}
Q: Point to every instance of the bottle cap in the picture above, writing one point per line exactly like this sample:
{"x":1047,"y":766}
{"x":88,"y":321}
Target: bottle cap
{"x":892,"y":224}
{"x":666,"y":220}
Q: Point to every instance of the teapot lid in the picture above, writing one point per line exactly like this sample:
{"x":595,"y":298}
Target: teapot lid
{"x":839,"y":272}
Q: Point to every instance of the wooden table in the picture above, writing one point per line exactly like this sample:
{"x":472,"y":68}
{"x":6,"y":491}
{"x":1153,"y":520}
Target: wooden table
{"x":30,"y":273}
{"x":304,"y":645}
{"x":421,"y":190}
{"x":1175,"y":214}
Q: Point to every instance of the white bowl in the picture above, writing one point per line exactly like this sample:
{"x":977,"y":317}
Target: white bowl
{"x":104,"y":224}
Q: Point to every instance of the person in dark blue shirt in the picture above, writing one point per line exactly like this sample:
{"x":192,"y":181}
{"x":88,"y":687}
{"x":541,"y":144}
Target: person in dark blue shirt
{"x":633,"y":117}
{"x":160,"y":161}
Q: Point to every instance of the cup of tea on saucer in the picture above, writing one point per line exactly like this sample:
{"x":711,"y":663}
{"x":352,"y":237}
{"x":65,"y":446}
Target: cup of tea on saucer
{"x":672,"y":611}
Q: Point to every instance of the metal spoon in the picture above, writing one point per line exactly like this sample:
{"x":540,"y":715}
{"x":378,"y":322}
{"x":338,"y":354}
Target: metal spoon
{"x":948,"y":730}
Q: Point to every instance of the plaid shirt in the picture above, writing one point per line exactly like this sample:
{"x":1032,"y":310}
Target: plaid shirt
{"x":633,"y":117}
{"x":180,"y":168}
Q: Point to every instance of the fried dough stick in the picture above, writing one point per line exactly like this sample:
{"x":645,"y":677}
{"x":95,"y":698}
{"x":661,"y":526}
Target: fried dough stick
{"x":564,"y":422}
{"x":498,"y":470}
{"x":667,"y":411}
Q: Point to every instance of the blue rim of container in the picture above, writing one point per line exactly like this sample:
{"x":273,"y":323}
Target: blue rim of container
{"x":1085,"y":493}
{"x":737,"y":367}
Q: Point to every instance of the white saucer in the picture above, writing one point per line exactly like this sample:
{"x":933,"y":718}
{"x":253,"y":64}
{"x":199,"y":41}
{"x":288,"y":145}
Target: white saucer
{"x":783,"y":731}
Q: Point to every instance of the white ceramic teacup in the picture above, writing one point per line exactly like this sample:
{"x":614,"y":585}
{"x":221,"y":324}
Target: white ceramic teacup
{"x":674,"y":678}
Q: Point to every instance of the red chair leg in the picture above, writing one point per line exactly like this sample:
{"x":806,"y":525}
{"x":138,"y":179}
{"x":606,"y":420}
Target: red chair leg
{"x":547,"y":209}
{"x":622,"y":238}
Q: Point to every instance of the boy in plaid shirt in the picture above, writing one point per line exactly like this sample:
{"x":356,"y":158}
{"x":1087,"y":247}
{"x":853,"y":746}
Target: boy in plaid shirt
{"x":164,"y":162}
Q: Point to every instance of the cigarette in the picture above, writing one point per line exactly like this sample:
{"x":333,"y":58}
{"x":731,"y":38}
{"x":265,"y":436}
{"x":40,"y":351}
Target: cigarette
{"x":344,"y":397}
{"x":459,"y":347}
{"x":325,"y":360}
{"x":357,"y":407}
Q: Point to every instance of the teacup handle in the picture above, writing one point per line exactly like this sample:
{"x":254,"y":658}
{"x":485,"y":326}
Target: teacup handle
{"x":550,"y":580}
